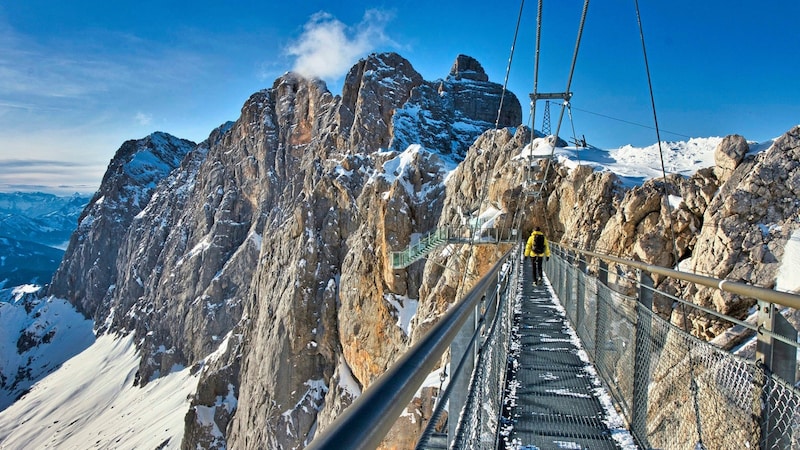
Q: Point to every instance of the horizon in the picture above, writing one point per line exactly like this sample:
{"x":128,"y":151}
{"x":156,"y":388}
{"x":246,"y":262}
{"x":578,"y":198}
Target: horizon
{"x":78,"y":80}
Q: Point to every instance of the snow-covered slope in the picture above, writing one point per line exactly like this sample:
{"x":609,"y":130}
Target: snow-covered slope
{"x":90,"y":403}
{"x":634,"y":165}
{"x":36,"y":336}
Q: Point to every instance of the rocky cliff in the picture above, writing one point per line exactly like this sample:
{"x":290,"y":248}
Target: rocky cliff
{"x":88,"y":270}
{"x":268,"y":243}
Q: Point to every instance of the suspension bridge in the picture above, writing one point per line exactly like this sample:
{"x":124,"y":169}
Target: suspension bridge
{"x":535,"y":367}
{"x":582,"y":362}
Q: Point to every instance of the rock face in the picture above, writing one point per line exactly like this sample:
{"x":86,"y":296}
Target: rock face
{"x":268,"y":244}
{"x":732,"y":221}
{"x":448,"y":115}
{"x":87,"y":272}
{"x":730,"y":152}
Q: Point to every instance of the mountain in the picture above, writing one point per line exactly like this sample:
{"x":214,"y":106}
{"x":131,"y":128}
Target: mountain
{"x":241,"y":287}
{"x":36,"y":337}
{"x":38,"y":217}
{"x":85,"y":276}
{"x":34,"y":229}
{"x":23,"y":262}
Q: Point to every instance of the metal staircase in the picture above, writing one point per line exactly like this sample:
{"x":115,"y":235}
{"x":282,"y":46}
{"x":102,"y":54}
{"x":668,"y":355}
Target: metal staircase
{"x":450,"y":235}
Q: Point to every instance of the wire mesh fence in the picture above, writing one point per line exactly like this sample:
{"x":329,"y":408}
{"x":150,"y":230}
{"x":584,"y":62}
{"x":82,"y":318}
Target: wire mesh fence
{"x":478,"y":423}
{"x":675,"y":391}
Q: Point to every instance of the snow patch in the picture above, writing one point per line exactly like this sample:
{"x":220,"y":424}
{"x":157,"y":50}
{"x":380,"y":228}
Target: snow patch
{"x":347,"y":382}
{"x":788,"y":276}
{"x":404,"y":309}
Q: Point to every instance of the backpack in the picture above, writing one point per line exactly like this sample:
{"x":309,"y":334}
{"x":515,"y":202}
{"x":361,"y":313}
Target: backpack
{"x":538,"y":244}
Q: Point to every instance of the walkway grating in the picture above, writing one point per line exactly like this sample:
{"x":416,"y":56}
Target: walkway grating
{"x":557,"y":397}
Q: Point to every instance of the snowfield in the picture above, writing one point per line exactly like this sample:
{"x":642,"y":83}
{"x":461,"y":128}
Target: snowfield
{"x":91,"y":403}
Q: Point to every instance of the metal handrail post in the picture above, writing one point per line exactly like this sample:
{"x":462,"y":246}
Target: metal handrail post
{"x":600,"y":308}
{"x":780,"y":359}
{"x":569,"y":300}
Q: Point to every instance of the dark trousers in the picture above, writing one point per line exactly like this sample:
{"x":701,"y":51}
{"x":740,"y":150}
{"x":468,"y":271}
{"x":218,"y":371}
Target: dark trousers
{"x":537,"y":268}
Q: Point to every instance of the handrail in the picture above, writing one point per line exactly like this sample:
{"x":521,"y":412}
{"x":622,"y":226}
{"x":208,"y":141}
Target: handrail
{"x":763,"y":390}
{"x":364,"y":424}
{"x":734,"y":287}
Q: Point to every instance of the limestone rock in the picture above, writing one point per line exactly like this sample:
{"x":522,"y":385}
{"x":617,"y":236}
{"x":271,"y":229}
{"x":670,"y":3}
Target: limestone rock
{"x":748,"y":223}
{"x":87,"y":272}
{"x":447,"y":116}
{"x":728,"y":155}
{"x":468,"y":68}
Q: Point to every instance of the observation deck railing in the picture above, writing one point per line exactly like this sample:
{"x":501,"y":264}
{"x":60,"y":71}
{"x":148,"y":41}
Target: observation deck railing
{"x":479,"y":318}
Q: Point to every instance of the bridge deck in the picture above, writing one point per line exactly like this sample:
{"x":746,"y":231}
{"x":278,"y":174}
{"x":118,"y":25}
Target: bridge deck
{"x":559,"y":401}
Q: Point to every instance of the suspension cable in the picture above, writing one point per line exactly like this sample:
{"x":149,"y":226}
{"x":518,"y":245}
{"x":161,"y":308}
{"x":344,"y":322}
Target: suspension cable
{"x":485,"y":189}
{"x":486,"y":178}
{"x":566,"y":91}
{"x":692,"y":381}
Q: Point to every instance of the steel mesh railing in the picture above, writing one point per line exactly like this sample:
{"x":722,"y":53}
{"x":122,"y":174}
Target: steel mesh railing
{"x":479,"y":420}
{"x":675,"y":391}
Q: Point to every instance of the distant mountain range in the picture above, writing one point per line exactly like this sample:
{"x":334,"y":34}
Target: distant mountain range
{"x":34,"y":231}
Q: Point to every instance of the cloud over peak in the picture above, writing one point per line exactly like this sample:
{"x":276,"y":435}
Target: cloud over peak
{"x":327,"y":48}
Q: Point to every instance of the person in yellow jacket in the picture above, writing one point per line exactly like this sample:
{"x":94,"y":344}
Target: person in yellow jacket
{"x":537,"y":248}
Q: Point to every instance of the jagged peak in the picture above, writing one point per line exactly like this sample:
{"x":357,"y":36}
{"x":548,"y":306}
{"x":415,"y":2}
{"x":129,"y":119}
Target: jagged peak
{"x":387,"y":65}
{"x":295,"y":79}
{"x":469,"y":68}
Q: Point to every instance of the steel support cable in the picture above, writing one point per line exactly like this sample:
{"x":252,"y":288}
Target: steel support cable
{"x":692,"y":382}
{"x":532,"y":115}
{"x":629,"y":122}
{"x":536,"y":66}
{"x":566,"y":91}
{"x":485,"y":189}
{"x":517,"y":217}
{"x":508,"y":66}
{"x":574,"y":136}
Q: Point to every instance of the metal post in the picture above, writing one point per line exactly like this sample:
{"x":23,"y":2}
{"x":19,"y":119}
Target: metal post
{"x":569,"y":303}
{"x":641,"y":356}
{"x":778,"y":358}
{"x":563,"y":276}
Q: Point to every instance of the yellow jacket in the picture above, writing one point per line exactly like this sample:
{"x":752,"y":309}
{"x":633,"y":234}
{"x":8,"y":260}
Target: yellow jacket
{"x":529,"y":245}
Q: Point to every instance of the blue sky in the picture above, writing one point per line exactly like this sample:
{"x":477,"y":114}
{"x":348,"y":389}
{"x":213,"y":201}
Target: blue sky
{"x":79,"y":78}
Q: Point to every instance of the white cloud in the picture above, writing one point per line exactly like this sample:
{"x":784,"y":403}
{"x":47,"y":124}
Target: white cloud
{"x":328,"y":48}
{"x":144,"y":119}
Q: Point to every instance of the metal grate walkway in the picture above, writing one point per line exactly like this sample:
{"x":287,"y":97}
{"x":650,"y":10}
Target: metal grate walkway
{"x":558,"y":398}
